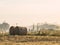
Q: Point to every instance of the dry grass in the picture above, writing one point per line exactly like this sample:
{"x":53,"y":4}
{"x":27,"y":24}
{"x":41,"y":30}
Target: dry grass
{"x":29,"y":43}
{"x":29,"y":40}
{"x":48,"y":39}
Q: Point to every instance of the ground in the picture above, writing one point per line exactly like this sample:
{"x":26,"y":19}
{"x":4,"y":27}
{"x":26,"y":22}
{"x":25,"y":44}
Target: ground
{"x":30,"y":40}
{"x":30,"y":43}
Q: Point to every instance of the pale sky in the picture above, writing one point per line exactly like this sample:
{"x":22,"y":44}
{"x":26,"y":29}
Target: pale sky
{"x":27,"y":12}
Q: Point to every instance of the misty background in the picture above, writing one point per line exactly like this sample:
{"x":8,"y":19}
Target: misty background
{"x":28,"y":12}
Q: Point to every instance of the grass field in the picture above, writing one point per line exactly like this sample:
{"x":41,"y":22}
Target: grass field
{"x":30,"y":43}
{"x":30,"y":40}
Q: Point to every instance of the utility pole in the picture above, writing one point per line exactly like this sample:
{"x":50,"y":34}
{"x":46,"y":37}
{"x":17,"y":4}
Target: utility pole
{"x":37,"y":26}
{"x":16,"y":24}
{"x":32,"y":28}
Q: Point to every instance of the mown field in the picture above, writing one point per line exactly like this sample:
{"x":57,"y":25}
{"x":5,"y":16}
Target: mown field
{"x":43,"y":37}
{"x":30,"y":43}
{"x":29,"y":40}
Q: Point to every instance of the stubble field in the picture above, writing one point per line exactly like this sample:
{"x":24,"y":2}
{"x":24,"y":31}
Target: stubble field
{"x":30,"y":40}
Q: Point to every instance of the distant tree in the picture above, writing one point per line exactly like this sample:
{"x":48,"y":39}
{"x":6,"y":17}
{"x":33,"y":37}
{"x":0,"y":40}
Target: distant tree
{"x":4,"y":27}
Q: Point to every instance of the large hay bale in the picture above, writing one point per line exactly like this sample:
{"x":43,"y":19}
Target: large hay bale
{"x":11,"y":30}
{"x":17,"y":30}
{"x":23,"y":30}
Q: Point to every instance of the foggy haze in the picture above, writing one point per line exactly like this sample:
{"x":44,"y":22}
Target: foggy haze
{"x":27,"y":12}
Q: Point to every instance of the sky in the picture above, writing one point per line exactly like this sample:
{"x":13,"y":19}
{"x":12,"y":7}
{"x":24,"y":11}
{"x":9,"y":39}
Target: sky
{"x":28,"y":12}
